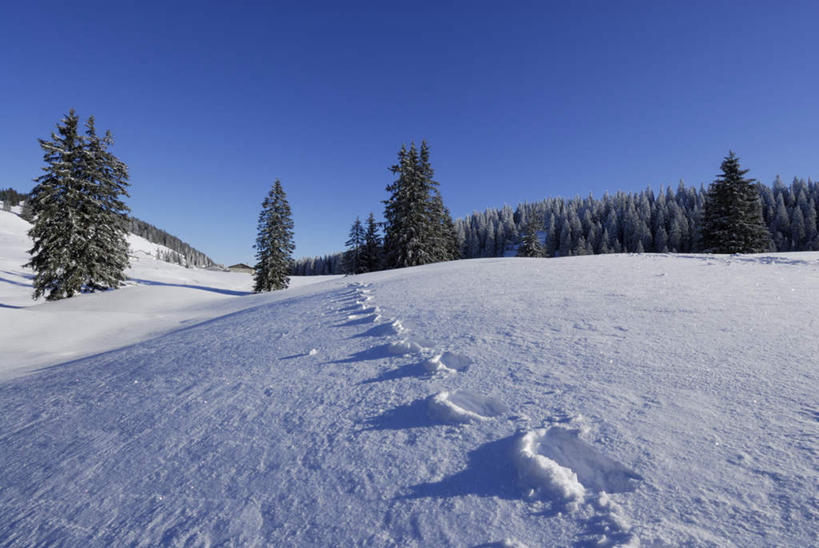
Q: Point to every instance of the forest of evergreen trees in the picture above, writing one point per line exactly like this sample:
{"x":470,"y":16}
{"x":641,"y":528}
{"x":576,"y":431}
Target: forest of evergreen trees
{"x":183,"y":253}
{"x":667,"y":221}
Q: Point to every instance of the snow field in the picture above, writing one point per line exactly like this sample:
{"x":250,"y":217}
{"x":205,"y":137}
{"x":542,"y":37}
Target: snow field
{"x":548,"y":461}
{"x":679,"y":392}
{"x":158,"y":297}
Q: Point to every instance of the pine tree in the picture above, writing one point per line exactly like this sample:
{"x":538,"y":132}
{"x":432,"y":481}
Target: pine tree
{"x":107,"y":251}
{"x":274,"y":242}
{"x":732,"y":221}
{"x":416,"y":230}
{"x":353,"y":263}
{"x":530,"y":245}
{"x":80,"y":221}
{"x":371,"y":252}
{"x":451,"y":239}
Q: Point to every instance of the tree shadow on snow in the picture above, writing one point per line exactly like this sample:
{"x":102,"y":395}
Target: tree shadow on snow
{"x":489,"y":473}
{"x":12,"y":282}
{"x":189,"y":286}
{"x":21,"y":274}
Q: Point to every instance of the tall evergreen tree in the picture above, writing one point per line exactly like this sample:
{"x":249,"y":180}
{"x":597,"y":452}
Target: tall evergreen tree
{"x":80,"y":220}
{"x":107,"y":251}
{"x":371,"y":252}
{"x":732,"y":221}
{"x":530,"y":245}
{"x":353,"y":263}
{"x":416,"y":229}
{"x":451,"y":239}
{"x":274,"y":242}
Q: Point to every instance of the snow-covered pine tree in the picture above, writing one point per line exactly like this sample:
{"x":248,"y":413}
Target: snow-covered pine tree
{"x":274,"y":242}
{"x":371,"y":252}
{"x":413,"y":213}
{"x":79,"y":219}
{"x":530,"y":245}
{"x":451,"y":239}
{"x":107,"y":251}
{"x":732,"y":221}
{"x":353,"y":263}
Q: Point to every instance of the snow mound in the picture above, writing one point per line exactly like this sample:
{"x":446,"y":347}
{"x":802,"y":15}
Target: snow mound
{"x":556,"y":464}
{"x":400,"y":348}
{"x":544,"y":476}
{"x":463,"y":406}
{"x":385,"y":329}
{"x":447,"y":362}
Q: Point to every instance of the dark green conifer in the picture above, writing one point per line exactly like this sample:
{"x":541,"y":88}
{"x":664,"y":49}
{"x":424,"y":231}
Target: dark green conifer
{"x":274,"y":242}
{"x":79,"y":218}
{"x":353,"y":263}
{"x":417,"y":231}
{"x":732,"y":220}
{"x":372,"y":250}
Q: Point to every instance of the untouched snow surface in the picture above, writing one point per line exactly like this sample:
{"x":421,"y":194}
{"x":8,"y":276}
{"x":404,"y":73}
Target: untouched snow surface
{"x":621,"y":400}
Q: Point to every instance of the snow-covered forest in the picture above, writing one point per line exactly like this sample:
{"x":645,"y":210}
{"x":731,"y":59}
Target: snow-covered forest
{"x":625,"y":222}
{"x":183,"y":254}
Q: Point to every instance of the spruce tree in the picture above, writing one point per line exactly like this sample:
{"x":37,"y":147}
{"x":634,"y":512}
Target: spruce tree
{"x":80,"y":221}
{"x":371,"y":252}
{"x":418,"y":227}
{"x":451,"y":240}
{"x":107,"y":251}
{"x":530,"y":245}
{"x":732,"y":220}
{"x":407,"y":231}
{"x":353,"y":263}
{"x":274,"y":242}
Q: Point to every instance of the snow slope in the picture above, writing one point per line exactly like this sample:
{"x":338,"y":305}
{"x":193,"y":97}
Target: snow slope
{"x":158,"y":298}
{"x":587,"y":401}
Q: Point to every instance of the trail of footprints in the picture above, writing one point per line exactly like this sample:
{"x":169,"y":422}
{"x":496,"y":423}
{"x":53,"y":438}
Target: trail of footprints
{"x":553,"y":465}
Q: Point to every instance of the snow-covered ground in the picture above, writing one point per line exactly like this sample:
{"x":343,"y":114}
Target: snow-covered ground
{"x":158,"y":298}
{"x":590,"y":401}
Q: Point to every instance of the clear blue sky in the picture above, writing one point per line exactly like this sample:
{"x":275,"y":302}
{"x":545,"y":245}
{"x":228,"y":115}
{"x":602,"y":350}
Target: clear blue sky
{"x":210,"y":102}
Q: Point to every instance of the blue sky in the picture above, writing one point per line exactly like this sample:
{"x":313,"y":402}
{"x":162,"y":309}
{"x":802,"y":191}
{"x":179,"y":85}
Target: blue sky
{"x":209,"y":103}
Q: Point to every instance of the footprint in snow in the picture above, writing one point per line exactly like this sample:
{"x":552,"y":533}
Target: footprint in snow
{"x":463,"y":406}
{"x":555,"y":464}
{"x":447,"y":362}
{"x":403,"y":347}
{"x":357,"y":319}
{"x":384,"y":330}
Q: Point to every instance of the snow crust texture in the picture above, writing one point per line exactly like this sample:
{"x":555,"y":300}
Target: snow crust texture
{"x":590,"y":401}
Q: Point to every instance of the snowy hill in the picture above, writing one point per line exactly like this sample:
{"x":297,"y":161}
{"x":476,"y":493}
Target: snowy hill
{"x":588,"y":401}
{"x":159,"y":297}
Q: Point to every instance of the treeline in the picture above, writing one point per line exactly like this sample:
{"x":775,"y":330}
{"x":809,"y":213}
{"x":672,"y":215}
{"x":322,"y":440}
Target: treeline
{"x":319,"y":266}
{"x":11,"y":197}
{"x":180,"y":252}
{"x":668,"y":221}
{"x":418,"y":228}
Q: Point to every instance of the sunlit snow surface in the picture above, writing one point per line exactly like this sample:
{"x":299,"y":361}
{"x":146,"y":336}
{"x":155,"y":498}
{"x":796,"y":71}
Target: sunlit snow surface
{"x":159,"y":297}
{"x":611,"y":400}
